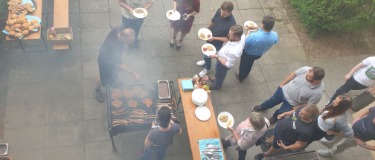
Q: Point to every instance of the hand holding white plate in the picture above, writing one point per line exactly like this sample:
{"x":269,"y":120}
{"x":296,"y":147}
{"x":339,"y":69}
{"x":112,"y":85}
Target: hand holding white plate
{"x":250,"y":25}
{"x":204,"y":34}
{"x":173,"y":15}
{"x":208,"y":49}
{"x":202,"y":113}
{"x":140,"y":12}
{"x":225,"y":119}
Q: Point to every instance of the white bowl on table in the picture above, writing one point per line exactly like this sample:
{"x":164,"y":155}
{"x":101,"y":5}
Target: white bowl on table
{"x":199,"y":97}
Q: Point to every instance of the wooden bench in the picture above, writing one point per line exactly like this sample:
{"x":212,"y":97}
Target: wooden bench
{"x":61,"y":19}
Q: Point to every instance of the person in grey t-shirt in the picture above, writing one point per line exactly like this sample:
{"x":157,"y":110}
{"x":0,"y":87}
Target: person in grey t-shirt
{"x":304,"y":86}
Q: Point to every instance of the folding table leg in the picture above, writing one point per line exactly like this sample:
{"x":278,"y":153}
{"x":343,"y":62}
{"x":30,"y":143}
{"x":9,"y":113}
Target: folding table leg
{"x":44,"y":42}
{"x":23,"y":48}
{"x":113,"y":143}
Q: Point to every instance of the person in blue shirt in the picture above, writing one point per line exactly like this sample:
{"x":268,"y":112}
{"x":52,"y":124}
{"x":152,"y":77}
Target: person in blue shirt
{"x":256,"y":44}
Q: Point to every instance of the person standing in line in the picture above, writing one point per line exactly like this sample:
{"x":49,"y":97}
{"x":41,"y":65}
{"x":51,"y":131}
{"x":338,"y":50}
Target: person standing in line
{"x":188,"y":9}
{"x":109,"y":59}
{"x":256,"y":45}
{"x":160,"y":137}
{"x":360,"y":77}
{"x":227,"y":55}
{"x":129,"y":20}
{"x":246,"y":134}
{"x":303,"y":86}
{"x":364,"y":130}
{"x":293,"y":132}
{"x":219,"y":26}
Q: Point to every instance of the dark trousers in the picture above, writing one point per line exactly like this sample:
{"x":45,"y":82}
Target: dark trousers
{"x":242,"y":154}
{"x":134,"y":24}
{"x":277,"y":98}
{"x":220,"y":73}
{"x":208,"y":60}
{"x":246,"y":63}
{"x":349,"y":85}
{"x":154,"y":152}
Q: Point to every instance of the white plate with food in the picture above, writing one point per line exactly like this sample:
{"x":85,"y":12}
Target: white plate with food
{"x":140,"y":12}
{"x":225,"y":119}
{"x":173,"y":15}
{"x":204,"y":34}
{"x":208,"y":49}
{"x":250,"y":25}
{"x":202,"y":113}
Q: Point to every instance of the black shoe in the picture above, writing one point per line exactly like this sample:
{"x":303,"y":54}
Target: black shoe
{"x":238,"y":76}
{"x":226,"y":143}
{"x":258,"y":108}
{"x":212,"y":87}
{"x":259,"y":156}
{"x":99,"y":96}
{"x":272,"y":121}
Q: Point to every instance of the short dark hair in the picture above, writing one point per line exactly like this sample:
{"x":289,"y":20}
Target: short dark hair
{"x":312,"y":109}
{"x":319,"y":73}
{"x":237,"y":30}
{"x":227,"y":6}
{"x":268,"y":22}
{"x":164,"y":116}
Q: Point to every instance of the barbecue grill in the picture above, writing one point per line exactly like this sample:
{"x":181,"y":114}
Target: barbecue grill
{"x":124,"y":117}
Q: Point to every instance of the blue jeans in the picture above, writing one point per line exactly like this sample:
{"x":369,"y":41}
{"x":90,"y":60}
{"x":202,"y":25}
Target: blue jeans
{"x":349,"y":85}
{"x":220,"y":73}
{"x":246,"y":63}
{"x":157,"y":151}
{"x":134,"y":24}
{"x":207,"y":59}
{"x":277,"y":98}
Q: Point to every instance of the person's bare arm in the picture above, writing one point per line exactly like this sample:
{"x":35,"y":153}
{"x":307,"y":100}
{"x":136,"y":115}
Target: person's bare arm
{"x":295,"y":146}
{"x":235,"y":135}
{"x":223,"y":39}
{"x":147,"y":143}
{"x":364,"y":145}
{"x":174,"y":5}
{"x":148,"y":5}
{"x":288,"y":78}
{"x":354,"y":69}
{"x":125,"y":5}
{"x":361,"y":115}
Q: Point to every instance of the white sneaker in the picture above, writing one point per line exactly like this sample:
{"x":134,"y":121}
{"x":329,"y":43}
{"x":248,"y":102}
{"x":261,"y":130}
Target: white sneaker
{"x":201,"y":63}
{"x":203,"y":72}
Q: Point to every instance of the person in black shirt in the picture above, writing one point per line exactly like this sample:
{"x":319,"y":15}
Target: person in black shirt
{"x":109,"y":59}
{"x":219,"y":26}
{"x":293,"y":132}
{"x":364,"y":130}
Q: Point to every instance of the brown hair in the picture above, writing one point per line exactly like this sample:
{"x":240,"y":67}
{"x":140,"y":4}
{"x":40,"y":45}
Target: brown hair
{"x":319,"y":73}
{"x":312,"y":109}
{"x":227,"y":6}
{"x":341,"y":108}
{"x":237,"y":30}
{"x":268,"y":23}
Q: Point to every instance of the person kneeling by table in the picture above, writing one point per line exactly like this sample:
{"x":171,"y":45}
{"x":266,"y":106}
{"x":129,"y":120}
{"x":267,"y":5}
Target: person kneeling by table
{"x":293,"y":132}
{"x":246,"y":134}
{"x":160,"y":137}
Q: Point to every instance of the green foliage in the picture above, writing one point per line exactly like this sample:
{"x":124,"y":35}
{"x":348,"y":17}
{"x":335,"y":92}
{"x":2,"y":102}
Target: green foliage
{"x":335,"y":15}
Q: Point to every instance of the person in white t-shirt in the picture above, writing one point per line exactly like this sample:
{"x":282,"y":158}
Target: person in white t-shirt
{"x":360,"y":77}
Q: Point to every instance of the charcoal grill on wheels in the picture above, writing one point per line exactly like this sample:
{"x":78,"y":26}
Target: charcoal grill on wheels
{"x":143,"y":114}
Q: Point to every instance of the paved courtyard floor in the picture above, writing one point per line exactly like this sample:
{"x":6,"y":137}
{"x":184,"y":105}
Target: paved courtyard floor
{"x":48,"y":109}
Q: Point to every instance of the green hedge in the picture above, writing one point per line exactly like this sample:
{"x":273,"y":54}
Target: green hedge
{"x":335,"y":15}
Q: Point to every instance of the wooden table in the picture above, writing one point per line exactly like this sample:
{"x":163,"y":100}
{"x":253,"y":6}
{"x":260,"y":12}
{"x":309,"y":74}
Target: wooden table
{"x":34,"y":35}
{"x":197,"y":129}
{"x":61,"y":19}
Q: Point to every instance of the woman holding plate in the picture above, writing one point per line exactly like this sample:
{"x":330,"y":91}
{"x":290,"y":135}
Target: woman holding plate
{"x":246,"y":134}
{"x":187,"y":10}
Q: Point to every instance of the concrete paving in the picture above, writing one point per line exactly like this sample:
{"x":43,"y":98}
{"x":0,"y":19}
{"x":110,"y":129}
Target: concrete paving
{"x":48,"y":109}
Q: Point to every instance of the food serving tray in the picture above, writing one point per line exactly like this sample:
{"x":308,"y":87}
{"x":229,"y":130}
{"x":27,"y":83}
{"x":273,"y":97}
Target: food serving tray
{"x":164,"y":91}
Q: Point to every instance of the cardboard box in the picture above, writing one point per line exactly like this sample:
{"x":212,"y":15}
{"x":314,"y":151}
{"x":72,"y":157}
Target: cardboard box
{"x":63,"y":36}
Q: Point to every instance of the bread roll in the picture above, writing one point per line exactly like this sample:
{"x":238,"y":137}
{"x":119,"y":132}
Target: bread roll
{"x":12,"y":33}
